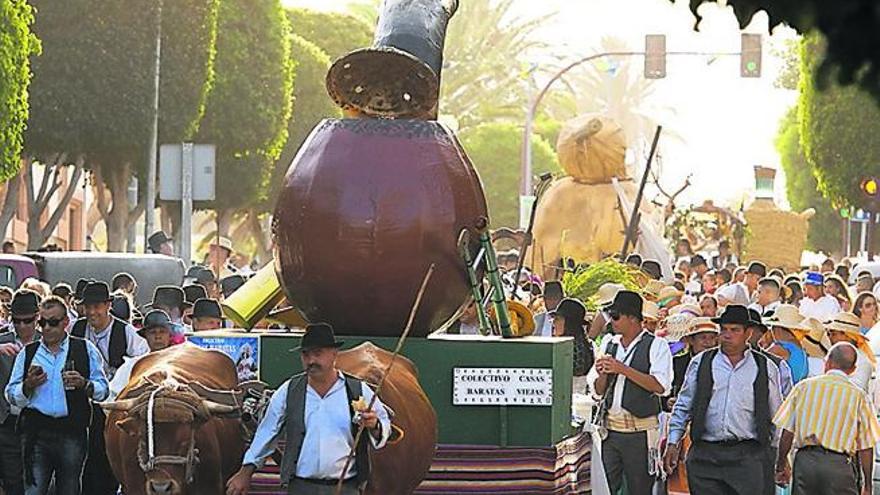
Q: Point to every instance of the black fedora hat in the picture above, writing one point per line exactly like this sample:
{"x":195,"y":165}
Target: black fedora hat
{"x":156,"y":240}
{"x":80,"y":287}
{"x":156,"y":319}
{"x":572,"y":310}
{"x":755,"y":320}
{"x":653,"y":269}
{"x":318,"y":335}
{"x":736,"y":314}
{"x":627,"y":302}
{"x":169,"y":296}
{"x":193,"y":292}
{"x":24,"y":302}
{"x":96,"y":292}
{"x":207,"y":308}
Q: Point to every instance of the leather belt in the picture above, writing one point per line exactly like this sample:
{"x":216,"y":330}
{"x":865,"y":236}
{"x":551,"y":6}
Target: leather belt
{"x":324,"y":481}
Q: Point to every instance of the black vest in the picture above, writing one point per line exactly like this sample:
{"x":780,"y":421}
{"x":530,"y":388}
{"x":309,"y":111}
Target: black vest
{"x":79,"y":410}
{"x":638,"y":401}
{"x":705,"y":384}
{"x":118,"y":346}
{"x":296,"y":428}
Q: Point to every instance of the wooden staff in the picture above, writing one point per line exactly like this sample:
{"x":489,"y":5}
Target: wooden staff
{"x":400,"y":341}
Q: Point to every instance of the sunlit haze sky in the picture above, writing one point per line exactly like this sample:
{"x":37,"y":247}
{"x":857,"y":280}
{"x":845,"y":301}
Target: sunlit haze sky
{"x":727,"y":123}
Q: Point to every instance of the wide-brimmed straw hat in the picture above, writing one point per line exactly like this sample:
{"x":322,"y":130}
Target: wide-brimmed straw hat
{"x":687,"y":308}
{"x":786,"y":316}
{"x":676,"y":326}
{"x":650,"y":311}
{"x":607,"y":292}
{"x":702,"y":324}
{"x":813,"y":337}
{"x":652,"y":289}
{"x":850,"y":324}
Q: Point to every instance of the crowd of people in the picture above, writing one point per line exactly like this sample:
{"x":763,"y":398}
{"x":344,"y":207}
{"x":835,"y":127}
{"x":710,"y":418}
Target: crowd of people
{"x":65,"y":349}
{"x":728,"y":378}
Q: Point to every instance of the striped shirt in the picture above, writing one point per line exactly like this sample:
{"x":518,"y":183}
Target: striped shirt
{"x":830,"y":412}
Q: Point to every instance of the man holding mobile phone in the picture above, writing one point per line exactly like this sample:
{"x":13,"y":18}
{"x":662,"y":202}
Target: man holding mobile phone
{"x":55,"y":431}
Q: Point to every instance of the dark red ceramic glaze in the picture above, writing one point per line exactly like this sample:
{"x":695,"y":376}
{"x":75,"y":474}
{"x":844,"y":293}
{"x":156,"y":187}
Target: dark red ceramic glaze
{"x":367,"y":205}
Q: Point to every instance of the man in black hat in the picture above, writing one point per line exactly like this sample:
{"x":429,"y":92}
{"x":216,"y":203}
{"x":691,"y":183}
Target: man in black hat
{"x":631,"y":374}
{"x":553,"y":295}
{"x":231,"y":283}
{"x":191,"y":293}
{"x":116,"y":340}
{"x":24,"y":312}
{"x":198,"y":274}
{"x":206,"y":315}
{"x":729,"y":397}
{"x":699,"y":267}
{"x":318,"y":440}
{"x":157,"y":332}
{"x":653,"y":269}
{"x":172,"y":300}
{"x":53,"y":381}
{"x":160,"y":243}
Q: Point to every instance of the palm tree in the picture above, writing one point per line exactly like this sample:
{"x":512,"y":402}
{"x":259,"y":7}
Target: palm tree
{"x":617,"y":87}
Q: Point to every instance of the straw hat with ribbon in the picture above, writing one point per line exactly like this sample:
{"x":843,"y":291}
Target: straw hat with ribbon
{"x":667,"y":294}
{"x":786,"y":316}
{"x":700,"y":325}
{"x":652,"y":289}
{"x":687,"y":308}
{"x":607,"y":292}
{"x":849,"y":324}
{"x":650,"y":311}
{"x":813,"y":337}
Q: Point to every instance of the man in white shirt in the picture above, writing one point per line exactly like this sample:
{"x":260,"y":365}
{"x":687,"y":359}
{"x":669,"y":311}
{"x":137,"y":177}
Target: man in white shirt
{"x":815,"y":303}
{"x":115,"y":340}
{"x":319,"y":412}
{"x":633,"y":370}
{"x":157,"y":332}
{"x":768,"y":297}
{"x":553,"y":295}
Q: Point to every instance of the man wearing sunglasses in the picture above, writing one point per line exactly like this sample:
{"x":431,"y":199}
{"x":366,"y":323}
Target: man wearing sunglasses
{"x":22,"y":330}
{"x":633,"y":370}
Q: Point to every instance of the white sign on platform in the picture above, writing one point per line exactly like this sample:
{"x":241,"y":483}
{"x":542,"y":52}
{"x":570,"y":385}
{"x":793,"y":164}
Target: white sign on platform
{"x":502,"y":387}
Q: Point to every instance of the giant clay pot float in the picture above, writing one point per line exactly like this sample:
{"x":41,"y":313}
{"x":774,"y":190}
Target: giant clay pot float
{"x":366,"y":207}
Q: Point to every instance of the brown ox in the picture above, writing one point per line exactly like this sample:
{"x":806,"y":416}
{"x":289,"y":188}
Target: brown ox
{"x":402,"y":464}
{"x":195,"y":450}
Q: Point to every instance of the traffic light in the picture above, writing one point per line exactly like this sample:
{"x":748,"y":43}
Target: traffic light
{"x":750,"y":56}
{"x":655,"y":56}
{"x":870,"y":188}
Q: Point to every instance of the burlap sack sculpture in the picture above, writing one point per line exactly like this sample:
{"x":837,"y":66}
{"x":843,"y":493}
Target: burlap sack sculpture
{"x":578,"y":216}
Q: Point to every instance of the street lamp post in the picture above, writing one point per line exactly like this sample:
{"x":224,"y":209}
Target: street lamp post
{"x":526,"y":161}
{"x":150,"y":208}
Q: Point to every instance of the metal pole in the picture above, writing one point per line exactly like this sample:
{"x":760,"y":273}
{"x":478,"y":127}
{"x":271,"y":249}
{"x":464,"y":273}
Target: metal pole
{"x":186,"y":204}
{"x":526,"y":165}
{"x":154,"y":136}
{"x":131,"y":234}
{"x":863,"y":238}
{"x":633,"y":227}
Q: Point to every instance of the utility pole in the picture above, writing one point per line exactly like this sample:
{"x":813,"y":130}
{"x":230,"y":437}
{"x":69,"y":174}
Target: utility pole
{"x":154,"y":135}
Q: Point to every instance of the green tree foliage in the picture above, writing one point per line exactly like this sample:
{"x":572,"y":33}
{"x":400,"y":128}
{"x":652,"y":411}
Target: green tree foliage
{"x":852,"y":28}
{"x":335,"y":34}
{"x":93,"y":87}
{"x":250,"y":105}
{"x":839,"y":128}
{"x":495,"y":151}
{"x":17,"y":43}
{"x":311,"y":104}
{"x":484,"y":78}
{"x":801,"y":188}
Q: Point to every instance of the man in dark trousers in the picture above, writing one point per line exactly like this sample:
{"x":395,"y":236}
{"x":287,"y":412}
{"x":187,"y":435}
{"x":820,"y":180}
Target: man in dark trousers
{"x":315,"y":412}
{"x":115,"y":340}
{"x":632,"y":371}
{"x":24,"y":313}
{"x":729,"y":397}
{"x":53,"y":381}
{"x":830,"y":421}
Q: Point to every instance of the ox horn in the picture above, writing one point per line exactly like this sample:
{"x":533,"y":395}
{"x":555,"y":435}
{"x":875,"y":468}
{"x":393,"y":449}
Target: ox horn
{"x":217,"y":409}
{"x":119,"y":405}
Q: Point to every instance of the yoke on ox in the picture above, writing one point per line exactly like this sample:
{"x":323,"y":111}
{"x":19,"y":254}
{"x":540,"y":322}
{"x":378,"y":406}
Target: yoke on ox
{"x":180,"y":426}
